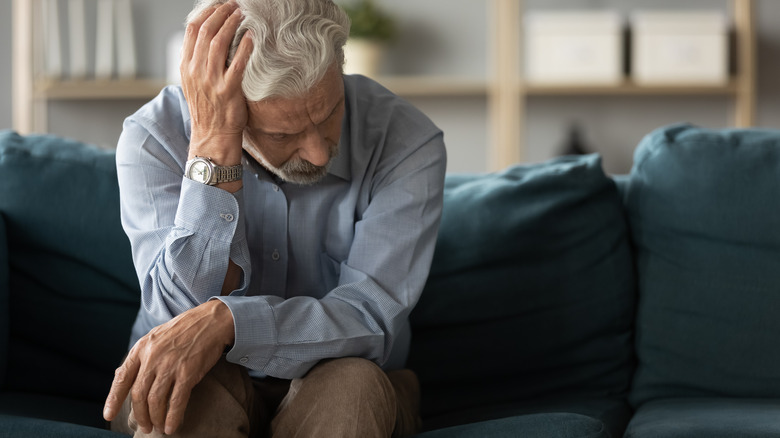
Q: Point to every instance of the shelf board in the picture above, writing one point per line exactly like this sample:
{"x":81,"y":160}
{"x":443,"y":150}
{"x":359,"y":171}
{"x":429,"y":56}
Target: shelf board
{"x":94,"y":89}
{"x":434,"y":86}
{"x":629,"y":88}
{"x":409,"y":86}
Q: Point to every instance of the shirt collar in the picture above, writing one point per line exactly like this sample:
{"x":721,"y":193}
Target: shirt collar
{"x":340,"y":166}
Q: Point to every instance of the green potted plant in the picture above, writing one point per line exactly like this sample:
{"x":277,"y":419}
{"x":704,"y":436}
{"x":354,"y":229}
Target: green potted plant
{"x":372,"y":29}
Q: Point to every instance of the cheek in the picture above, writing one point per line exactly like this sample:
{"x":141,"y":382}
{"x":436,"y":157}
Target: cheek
{"x":251,"y":147}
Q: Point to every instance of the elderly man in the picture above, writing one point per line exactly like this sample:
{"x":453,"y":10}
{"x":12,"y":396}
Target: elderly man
{"x":282,"y":218}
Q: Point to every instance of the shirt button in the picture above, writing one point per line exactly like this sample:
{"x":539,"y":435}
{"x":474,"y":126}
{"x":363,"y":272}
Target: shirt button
{"x":275,"y":187}
{"x":244,"y":359}
{"x":275,"y":256}
{"x":227,"y":216}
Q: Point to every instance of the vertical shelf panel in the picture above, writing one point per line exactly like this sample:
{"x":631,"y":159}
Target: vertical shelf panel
{"x":745,"y":100}
{"x":22,"y":75}
{"x":505,"y":103}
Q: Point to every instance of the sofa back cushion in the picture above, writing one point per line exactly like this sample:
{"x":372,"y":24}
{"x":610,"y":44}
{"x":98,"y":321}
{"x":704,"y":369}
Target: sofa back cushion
{"x":531,"y":291}
{"x":704,"y":210}
{"x":73,"y":292}
{"x":4,"y":311}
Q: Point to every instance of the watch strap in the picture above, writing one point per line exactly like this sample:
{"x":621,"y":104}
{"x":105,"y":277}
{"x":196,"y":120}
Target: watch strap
{"x":228,"y":173}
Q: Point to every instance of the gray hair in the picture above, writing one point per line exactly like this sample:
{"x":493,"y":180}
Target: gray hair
{"x":295,"y":43}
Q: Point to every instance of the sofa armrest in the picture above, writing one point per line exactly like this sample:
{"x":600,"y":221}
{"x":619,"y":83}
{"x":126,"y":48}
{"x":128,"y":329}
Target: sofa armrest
{"x":4,"y":302}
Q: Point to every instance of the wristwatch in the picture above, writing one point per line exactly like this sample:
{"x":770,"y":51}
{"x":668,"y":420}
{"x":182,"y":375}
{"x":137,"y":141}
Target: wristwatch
{"x":203,"y":170}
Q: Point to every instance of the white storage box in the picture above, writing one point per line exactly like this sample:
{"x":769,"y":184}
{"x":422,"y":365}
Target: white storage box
{"x":573,"y":47}
{"x":680,"y":47}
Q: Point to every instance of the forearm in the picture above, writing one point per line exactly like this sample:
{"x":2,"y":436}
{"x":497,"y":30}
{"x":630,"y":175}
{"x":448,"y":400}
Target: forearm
{"x":183,"y":234}
{"x":232,"y":279}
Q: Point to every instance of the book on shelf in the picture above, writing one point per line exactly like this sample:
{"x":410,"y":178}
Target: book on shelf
{"x":77,"y":39}
{"x":52,"y":62}
{"x":125,"y":40}
{"x":104,"y":40}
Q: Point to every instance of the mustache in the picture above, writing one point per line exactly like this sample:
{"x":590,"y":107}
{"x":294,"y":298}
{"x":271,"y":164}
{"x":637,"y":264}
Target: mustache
{"x":303,"y":167}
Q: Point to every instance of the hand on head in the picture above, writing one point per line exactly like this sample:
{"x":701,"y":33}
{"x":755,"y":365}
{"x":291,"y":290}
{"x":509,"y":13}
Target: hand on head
{"x":213,"y":91}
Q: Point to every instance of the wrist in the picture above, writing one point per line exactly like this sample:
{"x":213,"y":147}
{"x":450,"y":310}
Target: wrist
{"x":224,"y":324}
{"x":223,"y":150}
{"x":204,"y":170}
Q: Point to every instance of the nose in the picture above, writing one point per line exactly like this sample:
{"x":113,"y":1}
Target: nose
{"x":315,"y":148}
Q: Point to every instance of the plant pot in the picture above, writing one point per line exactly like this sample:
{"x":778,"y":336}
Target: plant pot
{"x":362,"y":56}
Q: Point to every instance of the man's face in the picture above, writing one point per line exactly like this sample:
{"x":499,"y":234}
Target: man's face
{"x":296,"y":138}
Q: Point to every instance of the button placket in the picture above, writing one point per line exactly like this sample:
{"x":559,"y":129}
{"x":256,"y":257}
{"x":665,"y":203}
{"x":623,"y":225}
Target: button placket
{"x":274,"y":277}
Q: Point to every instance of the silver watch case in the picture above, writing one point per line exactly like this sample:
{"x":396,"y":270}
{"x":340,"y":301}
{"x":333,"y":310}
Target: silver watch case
{"x":203,"y":170}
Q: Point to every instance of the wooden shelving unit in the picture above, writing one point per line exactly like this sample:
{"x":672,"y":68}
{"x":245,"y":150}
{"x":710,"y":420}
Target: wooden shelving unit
{"x":628,"y":88}
{"x":505,"y":90}
{"x":97,"y":89}
{"x":509,"y":91}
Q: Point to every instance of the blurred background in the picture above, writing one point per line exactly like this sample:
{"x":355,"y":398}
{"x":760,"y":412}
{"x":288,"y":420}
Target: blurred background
{"x":507,"y":80}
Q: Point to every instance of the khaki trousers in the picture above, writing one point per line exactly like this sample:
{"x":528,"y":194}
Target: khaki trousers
{"x":347,"y":397}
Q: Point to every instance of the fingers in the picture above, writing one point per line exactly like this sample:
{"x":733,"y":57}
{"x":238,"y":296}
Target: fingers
{"x":220,"y":44}
{"x":191,"y":34}
{"x":140,"y":397}
{"x":158,"y":400}
{"x":235,"y":73}
{"x":178,"y":405}
{"x":120,"y":388}
{"x":208,"y":31}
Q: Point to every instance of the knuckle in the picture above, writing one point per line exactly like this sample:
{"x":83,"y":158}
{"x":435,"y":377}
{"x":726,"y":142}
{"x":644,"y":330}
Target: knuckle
{"x":191,"y":29}
{"x":138,"y":395}
{"x":204,"y":31}
{"x":120,"y":374}
{"x":154,"y":400}
{"x":177,"y":399}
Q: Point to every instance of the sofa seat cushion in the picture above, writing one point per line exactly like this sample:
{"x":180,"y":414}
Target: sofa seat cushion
{"x":48,"y":407}
{"x":613,"y":414}
{"x":531,"y":290}
{"x":707,"y":418}
{"x":73,"y":291}
{"x":704,"y":210}
{"x":25,"y":427}
{"x":553,"y":425}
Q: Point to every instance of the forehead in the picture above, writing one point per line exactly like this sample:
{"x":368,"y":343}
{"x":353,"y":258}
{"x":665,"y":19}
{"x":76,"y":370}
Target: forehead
{"x":292,"y":114}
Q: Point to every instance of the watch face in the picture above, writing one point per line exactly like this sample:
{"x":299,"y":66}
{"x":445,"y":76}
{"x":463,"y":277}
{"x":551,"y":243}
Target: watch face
{"x":200,"y":172}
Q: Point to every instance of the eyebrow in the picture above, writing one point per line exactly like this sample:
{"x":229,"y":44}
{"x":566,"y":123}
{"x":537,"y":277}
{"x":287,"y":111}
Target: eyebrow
{"x":335,"y":107}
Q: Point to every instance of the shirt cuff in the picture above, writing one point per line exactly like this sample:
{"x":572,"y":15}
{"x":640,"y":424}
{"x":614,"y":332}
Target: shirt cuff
{"x":255,"y":331}
{"x":211,"y":211}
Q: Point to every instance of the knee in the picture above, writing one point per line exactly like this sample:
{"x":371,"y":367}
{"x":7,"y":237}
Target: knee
{"x":350,"y":368}
{"x":354,"y":375}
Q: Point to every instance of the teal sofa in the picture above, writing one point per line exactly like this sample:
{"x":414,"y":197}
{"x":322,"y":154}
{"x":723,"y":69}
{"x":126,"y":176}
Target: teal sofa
{"x":562,"y":302}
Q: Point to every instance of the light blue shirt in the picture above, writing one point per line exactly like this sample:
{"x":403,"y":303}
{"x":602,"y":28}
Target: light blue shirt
{"x":329,"y":270}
